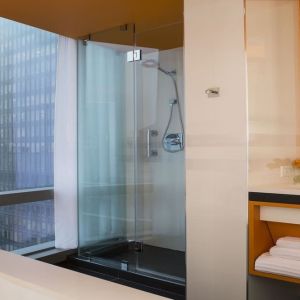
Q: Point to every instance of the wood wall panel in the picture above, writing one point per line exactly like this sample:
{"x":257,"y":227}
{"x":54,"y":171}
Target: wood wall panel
{"x":76,"y":18}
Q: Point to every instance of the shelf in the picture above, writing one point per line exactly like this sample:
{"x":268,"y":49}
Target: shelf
{"x":274,"y":276}
{"x":263,"y":235}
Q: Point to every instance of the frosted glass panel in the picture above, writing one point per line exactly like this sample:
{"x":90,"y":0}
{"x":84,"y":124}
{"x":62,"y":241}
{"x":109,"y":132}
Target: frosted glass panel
{"x":161,"y":175}
{"x":105,"y":137}
{"x":160,"y":198}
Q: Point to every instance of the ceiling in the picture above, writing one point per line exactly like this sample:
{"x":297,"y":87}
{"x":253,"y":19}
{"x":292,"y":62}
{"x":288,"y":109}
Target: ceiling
{"x":77,"y":18}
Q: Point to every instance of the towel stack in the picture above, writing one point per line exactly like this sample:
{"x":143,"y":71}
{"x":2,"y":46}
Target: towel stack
{"x":282,"y":259}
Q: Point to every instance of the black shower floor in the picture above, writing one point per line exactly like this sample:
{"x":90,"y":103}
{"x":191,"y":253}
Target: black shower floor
{"x":156,"y":270}
{"x":152,"y":261}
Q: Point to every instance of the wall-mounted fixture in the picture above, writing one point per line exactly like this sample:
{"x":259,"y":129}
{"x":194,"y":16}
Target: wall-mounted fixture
{"x":134,"y":55}
{"x":213,"y":92}
{"x":173,"y":142}
{"x":151,"y":151}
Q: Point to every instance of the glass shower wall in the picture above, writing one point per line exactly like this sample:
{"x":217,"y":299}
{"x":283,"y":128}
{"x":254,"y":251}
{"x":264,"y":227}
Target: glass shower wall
{"x":105,"y":143}
{"x":131,"y":181}
{"x":160,"y":201}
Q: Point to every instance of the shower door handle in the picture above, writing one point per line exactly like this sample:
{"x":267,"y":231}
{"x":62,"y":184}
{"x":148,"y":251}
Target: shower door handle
{"x":150,"y":151}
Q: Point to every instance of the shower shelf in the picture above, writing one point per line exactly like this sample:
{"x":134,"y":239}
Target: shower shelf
{"x":264,"y":232}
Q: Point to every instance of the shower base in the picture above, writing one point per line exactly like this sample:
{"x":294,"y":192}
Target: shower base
{"x":149,"y":268}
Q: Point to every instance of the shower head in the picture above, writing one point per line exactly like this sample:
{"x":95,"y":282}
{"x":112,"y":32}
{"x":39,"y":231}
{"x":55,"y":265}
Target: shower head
{"x":152,"y":63}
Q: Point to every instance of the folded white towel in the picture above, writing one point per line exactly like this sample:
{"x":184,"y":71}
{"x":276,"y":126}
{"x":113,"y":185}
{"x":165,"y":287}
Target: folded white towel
{"x":278,"y":265}
{"x":288,"y":253}
{"x":289,"y":242}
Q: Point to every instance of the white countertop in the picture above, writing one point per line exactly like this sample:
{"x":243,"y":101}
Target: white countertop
{"x":286,"y":189}
{"x":25,"y":278}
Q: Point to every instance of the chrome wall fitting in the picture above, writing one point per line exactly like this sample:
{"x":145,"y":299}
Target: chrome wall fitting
{"x":213,"y":92}
{"x":173,"y":142}
{"x":151,"y":151}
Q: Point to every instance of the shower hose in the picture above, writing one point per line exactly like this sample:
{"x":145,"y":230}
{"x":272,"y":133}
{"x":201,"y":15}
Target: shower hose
{"x":177,"y":101}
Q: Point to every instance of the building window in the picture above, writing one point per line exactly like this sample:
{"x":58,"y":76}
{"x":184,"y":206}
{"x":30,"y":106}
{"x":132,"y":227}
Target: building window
{"x":28,"y":58}
{"x":27,"y":225}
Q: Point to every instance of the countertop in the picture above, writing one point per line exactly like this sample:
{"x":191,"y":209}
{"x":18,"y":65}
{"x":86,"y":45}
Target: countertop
{"x":285,"y":189}
{"x":280,"y":193}
{"x":25,"y":278}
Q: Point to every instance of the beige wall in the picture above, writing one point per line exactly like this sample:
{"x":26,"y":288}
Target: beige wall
{"x":274,"y":103}
{"x":216,"y":154}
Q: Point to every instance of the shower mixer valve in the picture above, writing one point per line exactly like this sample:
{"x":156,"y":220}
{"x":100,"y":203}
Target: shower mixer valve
{"x":173,"y":142}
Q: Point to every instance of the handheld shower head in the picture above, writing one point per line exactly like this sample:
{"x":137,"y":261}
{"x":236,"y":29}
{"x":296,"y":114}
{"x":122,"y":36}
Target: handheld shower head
{"x":170,"y":142}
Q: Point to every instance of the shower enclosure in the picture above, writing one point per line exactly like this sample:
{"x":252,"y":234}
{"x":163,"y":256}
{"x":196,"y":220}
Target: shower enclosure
{"x":131,"y":181}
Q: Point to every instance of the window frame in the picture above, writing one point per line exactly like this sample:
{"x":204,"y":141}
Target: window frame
{"x":26,"y":196}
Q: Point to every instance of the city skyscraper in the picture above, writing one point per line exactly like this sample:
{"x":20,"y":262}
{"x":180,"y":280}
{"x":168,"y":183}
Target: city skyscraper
{"x":28,"y":59}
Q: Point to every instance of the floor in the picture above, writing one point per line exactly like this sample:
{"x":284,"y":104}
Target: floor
{"x":145,"y":269}
{"x":157,"y":261}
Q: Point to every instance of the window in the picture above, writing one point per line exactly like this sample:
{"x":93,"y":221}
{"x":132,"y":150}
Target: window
{"x":28,"y":58}
{"x":25,"y":225}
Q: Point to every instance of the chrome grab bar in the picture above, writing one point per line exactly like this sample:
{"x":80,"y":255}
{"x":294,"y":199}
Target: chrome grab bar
{"x":150,"y":151}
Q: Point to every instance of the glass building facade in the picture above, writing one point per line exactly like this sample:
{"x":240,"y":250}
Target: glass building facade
{"x":28,"y":58}
{"x":27,"y":224}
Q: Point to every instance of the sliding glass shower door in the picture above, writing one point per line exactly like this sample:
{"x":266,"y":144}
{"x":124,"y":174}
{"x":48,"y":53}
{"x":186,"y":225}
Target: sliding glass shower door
{"x":106,"y":135}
